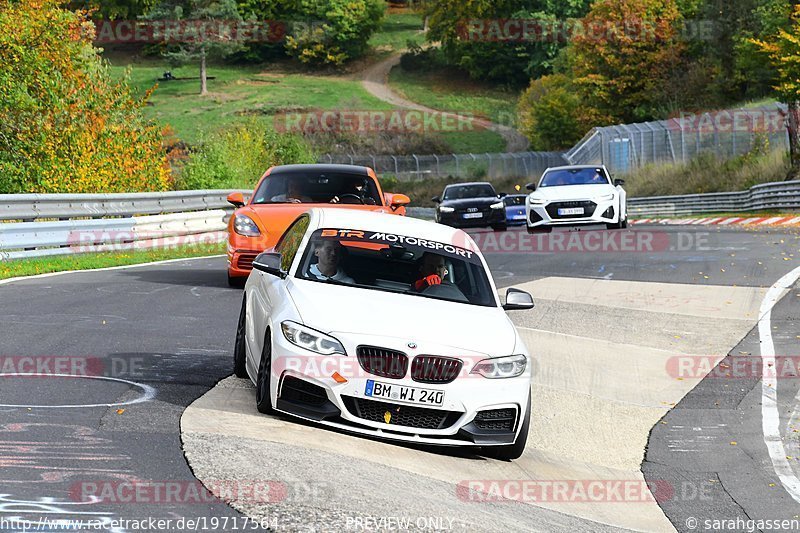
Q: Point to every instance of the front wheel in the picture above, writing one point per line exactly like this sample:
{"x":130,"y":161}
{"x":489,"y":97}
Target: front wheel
{"x":499,"y":227}
{"x":239,"y":350}
{"x":236,"y":282}
{"x":264,"y":381}
{"x":514,"y":451}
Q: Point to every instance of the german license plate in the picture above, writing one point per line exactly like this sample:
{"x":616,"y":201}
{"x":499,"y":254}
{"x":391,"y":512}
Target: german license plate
{"x":386,"y":391}
{"x":473,"y":215}
{"x":570,"y":211}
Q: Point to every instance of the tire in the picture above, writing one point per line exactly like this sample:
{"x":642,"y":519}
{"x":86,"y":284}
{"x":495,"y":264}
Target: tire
{"x":624,"y":223}
{"x":239,"y":348}
{"x":539,"y":229}
{"x":264,"y":380}
{"x":500,"y":227}
{"x":236,"y":282}
{"x":510,"y":452}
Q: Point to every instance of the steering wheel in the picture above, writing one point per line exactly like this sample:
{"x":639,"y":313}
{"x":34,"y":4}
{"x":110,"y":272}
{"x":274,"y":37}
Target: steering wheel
{"x":338,"y":199}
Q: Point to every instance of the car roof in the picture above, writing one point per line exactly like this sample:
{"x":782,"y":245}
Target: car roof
{"x":468,"y":183}
{"x":324,"y":167}
{"x":576,"y":167}
{"x":326,"y":217}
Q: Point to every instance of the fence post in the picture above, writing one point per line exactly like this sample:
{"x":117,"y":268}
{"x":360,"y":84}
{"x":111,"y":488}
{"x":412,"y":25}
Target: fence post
{"x":438,"y":174}
{"x":458,"y":170}
{"x":416,"y":159}
{"x":396,"y":169}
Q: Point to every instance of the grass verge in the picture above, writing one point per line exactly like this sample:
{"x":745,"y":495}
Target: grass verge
{"x":90,"y":261}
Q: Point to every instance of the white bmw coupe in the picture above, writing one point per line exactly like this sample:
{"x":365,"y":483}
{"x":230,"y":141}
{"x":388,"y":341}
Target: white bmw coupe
{"x":389,"y":327}
{"x":576,"y":195}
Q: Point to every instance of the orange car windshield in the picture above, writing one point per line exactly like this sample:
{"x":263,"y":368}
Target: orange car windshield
{"x":321,"y":188}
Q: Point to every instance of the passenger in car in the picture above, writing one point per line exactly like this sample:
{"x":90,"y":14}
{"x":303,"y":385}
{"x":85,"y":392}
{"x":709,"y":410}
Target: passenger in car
{"x":433,"y":271}
{"x":294,"y":193}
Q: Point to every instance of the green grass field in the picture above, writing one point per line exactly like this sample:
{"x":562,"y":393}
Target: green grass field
{"x":238,"y":92}
{"x":449,"y":91}
{"x":43,"y":265}
{"x":396,"y":31}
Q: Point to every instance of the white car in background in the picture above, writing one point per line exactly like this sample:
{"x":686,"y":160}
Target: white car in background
{"x":576,"y":195}
{"x":344,"y":324}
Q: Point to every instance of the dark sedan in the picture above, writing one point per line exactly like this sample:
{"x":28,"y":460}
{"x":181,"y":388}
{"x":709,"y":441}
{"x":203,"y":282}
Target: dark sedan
{"x":471,"y":205}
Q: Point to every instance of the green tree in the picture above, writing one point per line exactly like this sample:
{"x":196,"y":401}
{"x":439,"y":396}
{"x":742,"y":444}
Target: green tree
{"x":333,"y":31}
{"x":552,"y":115}
{"x":210,"y":41}
{"x":784,"y":54}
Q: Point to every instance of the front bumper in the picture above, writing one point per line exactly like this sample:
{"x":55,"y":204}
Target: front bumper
{"x":346,"y":406}
{"x":594,"y":212}
{"x":490,"y":217}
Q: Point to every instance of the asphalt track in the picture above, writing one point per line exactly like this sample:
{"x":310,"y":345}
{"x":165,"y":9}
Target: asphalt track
{"x":607,"y":327}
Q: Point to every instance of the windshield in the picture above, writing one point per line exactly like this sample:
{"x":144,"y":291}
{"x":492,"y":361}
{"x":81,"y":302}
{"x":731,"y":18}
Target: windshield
{"x":517,"y":199}
{"x":395,"y":263}
{"x":318,"y":187}
{"x":575,"y":176}
{"x":461,"y":192}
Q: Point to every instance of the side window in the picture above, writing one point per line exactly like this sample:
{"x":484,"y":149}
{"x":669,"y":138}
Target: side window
{"x":290,"y":242}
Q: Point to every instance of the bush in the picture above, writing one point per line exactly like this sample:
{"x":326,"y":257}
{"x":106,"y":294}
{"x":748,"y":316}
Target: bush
{"x":235,"y":158}
{"x":552,"y":115}
{"x":65,"y":124}
{"x":342,"y":34}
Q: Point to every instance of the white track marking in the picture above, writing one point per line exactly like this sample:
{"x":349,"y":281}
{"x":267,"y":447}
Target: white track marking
{"x":148,"y":392}
{"x":770,"y":417}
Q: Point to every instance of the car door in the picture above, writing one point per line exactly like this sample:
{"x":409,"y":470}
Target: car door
{"x":270,"y":294}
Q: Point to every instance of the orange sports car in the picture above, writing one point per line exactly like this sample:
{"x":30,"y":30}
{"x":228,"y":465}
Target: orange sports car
{"x":284,"y":192}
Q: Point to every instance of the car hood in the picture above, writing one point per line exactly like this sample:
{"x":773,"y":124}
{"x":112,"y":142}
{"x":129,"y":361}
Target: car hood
{"x":338,"y":309}
{"x":471,"y":202}
{"x":572,"y":192}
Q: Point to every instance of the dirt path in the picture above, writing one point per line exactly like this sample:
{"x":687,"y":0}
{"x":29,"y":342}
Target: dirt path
{"x":375,"y":80}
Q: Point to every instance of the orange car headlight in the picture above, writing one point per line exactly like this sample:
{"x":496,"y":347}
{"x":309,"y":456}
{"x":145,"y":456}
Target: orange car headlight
{"x":244,"y":225}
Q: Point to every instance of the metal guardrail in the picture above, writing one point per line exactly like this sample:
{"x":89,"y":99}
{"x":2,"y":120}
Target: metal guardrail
{"x":767,"y":196}
{"x":29,"y":207}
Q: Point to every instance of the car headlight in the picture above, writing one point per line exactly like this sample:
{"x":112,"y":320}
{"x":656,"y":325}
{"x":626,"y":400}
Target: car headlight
{"x":498,"y":205}
{"x":311,"y":339}
{"x":537,"y":201}
{"x":445,"y":209}
{"x":501,"y":367}
{"x":244,"y":225}
{"x":605,"y":198}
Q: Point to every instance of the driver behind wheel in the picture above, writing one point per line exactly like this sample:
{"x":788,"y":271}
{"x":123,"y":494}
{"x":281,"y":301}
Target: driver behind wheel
{"x":433,"y":271}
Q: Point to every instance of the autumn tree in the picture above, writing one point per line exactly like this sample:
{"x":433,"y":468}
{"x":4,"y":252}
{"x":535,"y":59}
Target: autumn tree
{"x":66,"y":124}
{"x":784,"y":54}
{"x":624,"y":54}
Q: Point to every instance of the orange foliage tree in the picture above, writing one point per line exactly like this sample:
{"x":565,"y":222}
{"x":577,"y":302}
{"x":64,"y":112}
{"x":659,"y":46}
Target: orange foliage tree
{"x":65,"y":124}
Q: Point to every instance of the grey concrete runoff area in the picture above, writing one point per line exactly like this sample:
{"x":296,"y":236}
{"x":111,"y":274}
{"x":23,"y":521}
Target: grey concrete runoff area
{"x":655,"y":407}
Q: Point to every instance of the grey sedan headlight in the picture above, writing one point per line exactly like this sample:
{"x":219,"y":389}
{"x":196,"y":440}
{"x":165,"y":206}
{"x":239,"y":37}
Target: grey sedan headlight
{"x":445,"y":209}
{"x":605,"y":198}
{"x":537,"y":201}
{"x":501,"y":367}
{"x":311,"y":339}
{"x":498,"y":205}
{"x":244,"y":225}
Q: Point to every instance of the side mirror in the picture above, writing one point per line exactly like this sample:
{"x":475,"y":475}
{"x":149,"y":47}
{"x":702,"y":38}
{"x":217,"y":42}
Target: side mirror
{"x":436,"y":199}
{"x":618,"y":182}
{"x":270,"y":262}
{"x":531,"y":186}
{"x":236,"y":199}
{"x":399,"y":200}
{"x":517,"y":300}
{"x":502,"y":195}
